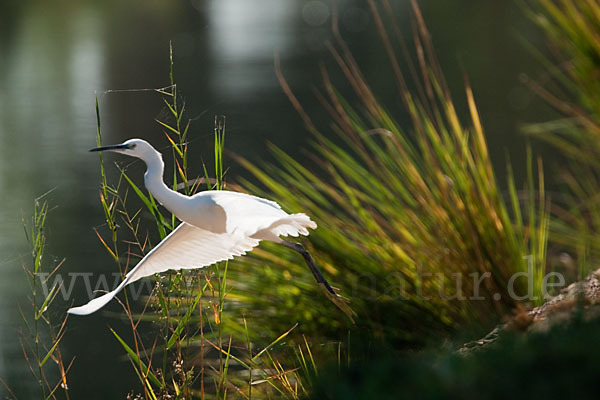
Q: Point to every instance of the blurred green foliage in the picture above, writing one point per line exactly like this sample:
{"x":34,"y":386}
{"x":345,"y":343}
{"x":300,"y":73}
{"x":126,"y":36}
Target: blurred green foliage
{"x":572,"y":27}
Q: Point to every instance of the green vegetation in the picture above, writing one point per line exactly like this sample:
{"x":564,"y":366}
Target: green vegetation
{"x":40,"y":340}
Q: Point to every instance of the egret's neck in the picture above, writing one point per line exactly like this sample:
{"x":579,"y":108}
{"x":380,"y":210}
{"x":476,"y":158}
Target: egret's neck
{"x":172,"y":200}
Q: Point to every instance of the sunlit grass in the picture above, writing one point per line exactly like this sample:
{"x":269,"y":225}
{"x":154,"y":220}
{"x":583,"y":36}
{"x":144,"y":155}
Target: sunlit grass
{"x":410,"y":212}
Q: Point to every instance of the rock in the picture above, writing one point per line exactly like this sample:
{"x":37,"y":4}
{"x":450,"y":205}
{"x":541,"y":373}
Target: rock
{"x":579,"y":299}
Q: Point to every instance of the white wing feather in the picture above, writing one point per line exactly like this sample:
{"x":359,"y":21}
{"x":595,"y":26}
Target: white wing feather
{"x":191,"y":247}
{"x":184,"y":248}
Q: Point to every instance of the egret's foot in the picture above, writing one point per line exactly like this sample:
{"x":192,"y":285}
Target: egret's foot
{"x":340,"y":302}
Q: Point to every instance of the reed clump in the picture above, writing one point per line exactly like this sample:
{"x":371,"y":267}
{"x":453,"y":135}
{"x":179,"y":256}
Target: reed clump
{"x":413,"y":224}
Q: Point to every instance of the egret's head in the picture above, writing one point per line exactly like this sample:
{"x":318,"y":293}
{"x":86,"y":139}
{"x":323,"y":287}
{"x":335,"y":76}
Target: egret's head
{"x":133,"y":147}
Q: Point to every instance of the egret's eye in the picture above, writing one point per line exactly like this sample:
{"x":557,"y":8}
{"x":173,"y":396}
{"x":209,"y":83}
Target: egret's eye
{"x":131,"y":146}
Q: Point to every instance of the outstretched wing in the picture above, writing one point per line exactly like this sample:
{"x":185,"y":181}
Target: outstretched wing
{"x":186,"y":247}
{"x":190,"y":247}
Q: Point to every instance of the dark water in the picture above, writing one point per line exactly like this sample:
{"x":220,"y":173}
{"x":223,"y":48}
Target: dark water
{"x":55,"y":56}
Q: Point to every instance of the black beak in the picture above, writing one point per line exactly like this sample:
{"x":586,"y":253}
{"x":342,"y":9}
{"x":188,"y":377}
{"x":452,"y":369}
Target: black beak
{"x":108,"y":148}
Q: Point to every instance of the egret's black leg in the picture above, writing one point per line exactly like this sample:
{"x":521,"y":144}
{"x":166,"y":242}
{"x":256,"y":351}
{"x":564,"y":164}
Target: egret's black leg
{"x":339,"y":301}
{"x":311,"y":264}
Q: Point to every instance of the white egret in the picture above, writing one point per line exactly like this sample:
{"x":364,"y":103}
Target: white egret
{"x":216,"y":226}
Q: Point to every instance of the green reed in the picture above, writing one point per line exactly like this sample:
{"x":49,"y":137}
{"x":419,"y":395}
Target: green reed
{"x":42,"y":334}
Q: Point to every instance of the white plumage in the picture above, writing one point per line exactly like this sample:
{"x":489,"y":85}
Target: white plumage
{"x":217,"y":225}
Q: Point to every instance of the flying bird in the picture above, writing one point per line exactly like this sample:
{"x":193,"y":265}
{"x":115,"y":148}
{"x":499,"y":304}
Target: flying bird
{"x":216,"y":226}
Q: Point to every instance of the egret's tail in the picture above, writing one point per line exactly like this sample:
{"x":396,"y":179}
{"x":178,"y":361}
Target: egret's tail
{"x":291,"y":225}
{"x":296,"y":224}
{"x":99,"y":302}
